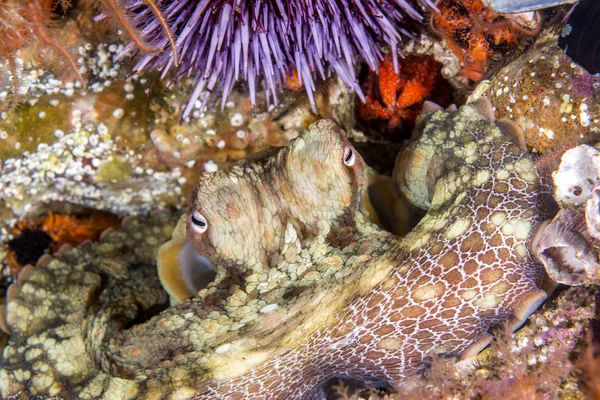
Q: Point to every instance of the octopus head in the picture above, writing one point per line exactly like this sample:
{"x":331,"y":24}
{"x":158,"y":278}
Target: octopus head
{"x":255,"y":214}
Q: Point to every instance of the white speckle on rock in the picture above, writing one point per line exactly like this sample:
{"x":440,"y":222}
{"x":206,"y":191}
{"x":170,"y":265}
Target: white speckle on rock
{"x":236,"y":119}
{"x":549,"y":133}
{"x":584,"y":119}
{"x":102,"y":129}
{"x":118,"y":113}
{"x":210,"y":166}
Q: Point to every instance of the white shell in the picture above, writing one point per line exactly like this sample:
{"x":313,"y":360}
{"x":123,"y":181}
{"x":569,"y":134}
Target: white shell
{"x":577,"y":174}
{"x":566,"y":250}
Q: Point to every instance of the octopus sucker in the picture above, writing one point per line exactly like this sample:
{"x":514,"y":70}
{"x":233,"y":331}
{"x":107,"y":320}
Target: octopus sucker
{"x":25,"y":273}
{"x":12,"y":291}
{"x":106,"y":232}
{"x":476,"y":347}
{"x":3,"y":324}
{"x":509,"y":127}
{"x":43,"y":261}
{"x":67,"y":246}
{"x":306,"y":287}
{"x":484,"y":107}
{"x":528,"y":303}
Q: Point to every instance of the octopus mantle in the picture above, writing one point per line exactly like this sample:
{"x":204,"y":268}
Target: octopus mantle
{"x":306,"y":288}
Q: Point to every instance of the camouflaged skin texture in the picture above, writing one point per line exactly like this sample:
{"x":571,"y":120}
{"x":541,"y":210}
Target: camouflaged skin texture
{"x":306,"y":288}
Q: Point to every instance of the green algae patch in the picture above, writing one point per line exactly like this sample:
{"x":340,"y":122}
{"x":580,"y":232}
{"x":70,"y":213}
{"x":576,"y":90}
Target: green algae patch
{"x":115,"y":169}
{"x":31,"y":125}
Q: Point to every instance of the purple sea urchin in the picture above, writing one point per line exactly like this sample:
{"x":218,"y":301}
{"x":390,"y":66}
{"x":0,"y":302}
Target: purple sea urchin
{"x":219,"y":42}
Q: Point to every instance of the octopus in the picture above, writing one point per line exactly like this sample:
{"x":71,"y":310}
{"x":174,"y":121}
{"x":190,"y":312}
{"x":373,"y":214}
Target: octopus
{"x":306,"y":288}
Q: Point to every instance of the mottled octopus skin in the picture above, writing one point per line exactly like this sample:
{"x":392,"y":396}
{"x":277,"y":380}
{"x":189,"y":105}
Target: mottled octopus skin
{"x":351,"y":299}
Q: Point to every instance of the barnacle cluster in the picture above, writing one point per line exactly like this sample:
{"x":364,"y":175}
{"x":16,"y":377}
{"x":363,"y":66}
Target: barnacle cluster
{"x":26,"y":22}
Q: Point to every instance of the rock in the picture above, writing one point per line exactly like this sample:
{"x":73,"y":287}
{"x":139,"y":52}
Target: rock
{"x":554,"y":101}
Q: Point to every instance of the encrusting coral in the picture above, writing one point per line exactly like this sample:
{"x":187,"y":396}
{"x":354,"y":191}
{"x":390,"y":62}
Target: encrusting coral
{"x":330,"y":295}
{"x":553,"y":100}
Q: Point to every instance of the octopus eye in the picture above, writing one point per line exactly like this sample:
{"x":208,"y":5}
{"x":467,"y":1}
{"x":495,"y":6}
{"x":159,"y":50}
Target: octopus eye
{"x":349,"y":156}
{"x":198,"y":222}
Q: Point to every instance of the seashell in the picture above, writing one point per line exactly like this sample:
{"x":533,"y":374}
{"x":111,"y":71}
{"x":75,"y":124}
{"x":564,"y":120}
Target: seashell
{"x":568,"y":245}
{"x":564,"y":247}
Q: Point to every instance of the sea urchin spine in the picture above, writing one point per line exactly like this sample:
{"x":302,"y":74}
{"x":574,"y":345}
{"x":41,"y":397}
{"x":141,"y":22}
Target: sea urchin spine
{"x":220,"y":42}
